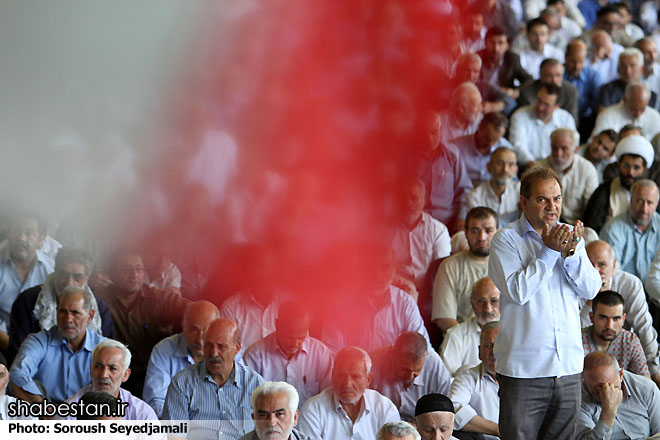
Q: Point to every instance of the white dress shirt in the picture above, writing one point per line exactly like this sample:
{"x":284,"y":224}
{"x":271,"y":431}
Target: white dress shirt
{"x":323,"y":417}
{"x":452,"y":286}
{"x":616,"y":116}
{"x":578,"y":183}
{"x":309,"y":370}
{"x":531,"y":137}
{"x":5,"y":400}
{"x":539,"y":292}
{"x":531,"y":60}
{"x":460,"y":346}
{"x":506,"y":209}
{"x":475,"y":393}
{"x":415,"y":249}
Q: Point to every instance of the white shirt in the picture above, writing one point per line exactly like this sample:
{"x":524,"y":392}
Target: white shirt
{"x":506,"y":209}
{"x":434,"y":378}
{"x":309,"y":371}
{"x":323,"y":417}
{"x":608,"y":67}
{"x":460,"y":346}
{"x":531,"y":60}
{"x":638,"y":318}
{"x":653,"y":80}
{"x":616,"y":116}
{"x":170,"y":277}
{"x":452,"y":286}
{"x":5,"y":400}
{"x":539,"y":307}
{"x":451,"y":128}
{"x":475,"y":393}
{"x":415,"y":249}
{"x":531,"y":137}
{"x":578,"y":183}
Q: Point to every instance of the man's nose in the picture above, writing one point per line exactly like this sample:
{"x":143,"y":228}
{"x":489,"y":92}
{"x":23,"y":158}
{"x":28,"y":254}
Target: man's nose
{"x":272,"y":419}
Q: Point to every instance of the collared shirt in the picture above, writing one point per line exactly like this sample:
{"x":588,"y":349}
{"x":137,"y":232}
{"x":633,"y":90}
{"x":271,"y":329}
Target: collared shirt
{"x":616,"y":116}
{"x":588,"y":84}
{"x":451,"y":129}
{"x":589,"y":9}
{"x":415,"y":249}
{"x":434,"y":378}
{"x":531,"y":137}
{"x":653,"y":80}
{"x":475,"y":162}
{"x":578,"y":183}
{"x":531,"y":59}
{"x":608,"y":67}
{"x":460,"y":346}
{"x":11,"y":284}
{"x":399,"y":315}
{"x":638,"y":317}
{"x":193,"y":395}
{"x":452,"y":286}
{"x":323,"y":417}
{"x":539,"y":291}
{"x":5,"y":400}
{"x":168,"y":357}
{"x":474,"y":392}
{"x":637,"y":417}
{"x":506,"y":208}
{"x":46,"y":357}
{"x":625,"y":348}
{"x":309,"y":370}
{"x":169,"y":277}
{"x":137,"y":409}
{"x":633,"y":248}
{"x":295,"y":435}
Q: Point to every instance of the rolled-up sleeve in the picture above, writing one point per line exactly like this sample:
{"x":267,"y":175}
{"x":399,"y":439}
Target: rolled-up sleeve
{"x":25,"y":366}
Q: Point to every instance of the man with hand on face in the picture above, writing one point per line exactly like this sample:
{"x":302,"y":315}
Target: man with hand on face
{"x":347,"y":410}
{"x":214,"y":393}
{"x":176,"y":352}
{"x":607,"y":333}
{"x":290,"y":355}
{"x":275,"y":413}
{"x":110,"y":368}
{"x":54,"y":364}
{"x":615,"y":402}
{"x":434,"y":417}
{"x":540,"y":264}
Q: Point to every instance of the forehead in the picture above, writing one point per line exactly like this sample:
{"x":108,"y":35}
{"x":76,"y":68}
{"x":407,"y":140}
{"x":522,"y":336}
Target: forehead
{"x":538,"y":28}
{"x":602,"y":309}
{"x":435,"y":419}
{"x":72,"y":301}
{"x":628,"y":59}
{"x":72,"y":267}
{"x":110,"y":356}
{"x":129,"y":260}
{"x":488,"y":222}
{"x":599,"y":251}
{"x":273,"y":401}
{"x":543,"y":95}
{"x":603,"y":374}
{"x":632,"y":159}
{"x":220,"y":334}
{"x":26,"y":223}
{"x":561,"y":140}
{"x":350,"y":366}
{"x":545,"y":187}
{"x":645,"y":192}
{"x":485,"y":290}
{"x":552,"y":69}
{"x":505,"y":155}
{"x":490,"y":335}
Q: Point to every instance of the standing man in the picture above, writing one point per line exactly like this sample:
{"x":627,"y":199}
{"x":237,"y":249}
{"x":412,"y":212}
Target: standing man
{"x":541,"y":269}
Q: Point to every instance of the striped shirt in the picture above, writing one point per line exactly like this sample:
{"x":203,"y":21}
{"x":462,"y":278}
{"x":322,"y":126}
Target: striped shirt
{"x":193,"y":395}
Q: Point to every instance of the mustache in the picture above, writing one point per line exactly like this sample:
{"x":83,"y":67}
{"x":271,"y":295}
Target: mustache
{"x":104,"y":381}
{"x":216,"y":359}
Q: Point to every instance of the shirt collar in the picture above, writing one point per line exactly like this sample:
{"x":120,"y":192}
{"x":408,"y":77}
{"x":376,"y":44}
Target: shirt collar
{"x":304,"y":348}
{"x":524,"y":227}
{"x":232,"y":379}
{"x":484,"y":374}
{"x":182,"y":350}
{"x":364,"y":403}
{"x":56,"y":339}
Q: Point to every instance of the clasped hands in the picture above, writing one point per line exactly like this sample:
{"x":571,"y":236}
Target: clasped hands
{"x":560,"y":237}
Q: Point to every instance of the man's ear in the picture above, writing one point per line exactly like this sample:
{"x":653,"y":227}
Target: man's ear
{"x":91,"y":315}
{"x":369,"y":377}
{"x":591,"y":317}
{"x":127,"y":373}
{"x":295,"y":417}
{"x":239,"y":344}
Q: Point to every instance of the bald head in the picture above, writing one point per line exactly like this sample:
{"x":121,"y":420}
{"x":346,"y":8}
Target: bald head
{"x":221,"y":344}
{"x":602,"y":258}
{"x":466,"y":103}
{"x":197,"y":317}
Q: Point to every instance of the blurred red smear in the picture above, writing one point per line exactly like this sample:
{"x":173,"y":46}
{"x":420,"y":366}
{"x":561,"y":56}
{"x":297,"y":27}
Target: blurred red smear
{"x":294,"y":125}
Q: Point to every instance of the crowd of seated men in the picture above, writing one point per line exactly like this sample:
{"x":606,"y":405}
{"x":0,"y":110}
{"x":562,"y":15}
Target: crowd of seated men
{"x":565,"y":84}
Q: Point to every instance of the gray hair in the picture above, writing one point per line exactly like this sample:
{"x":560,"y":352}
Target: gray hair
{"x":632,"y":52}
{"x":67,"y":254}
{"x":111,"y":343}
{"x":72,"y":290}
{"x":630,"y":89}
{"x":644,"y":183}
{"x":467,"y":58}
{"x":268,"y":388}
{"x":463,"y":91}
{"x":411,"y":345}
{"x":354,"y":354}
{"x":489,"y":326}
{"x":398,"y":429}
{"x":574,"y":135}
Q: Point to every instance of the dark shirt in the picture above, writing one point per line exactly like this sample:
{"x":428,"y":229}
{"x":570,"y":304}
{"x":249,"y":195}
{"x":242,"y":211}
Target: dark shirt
{"x":509,"y":70}
{"x":612,"y":93}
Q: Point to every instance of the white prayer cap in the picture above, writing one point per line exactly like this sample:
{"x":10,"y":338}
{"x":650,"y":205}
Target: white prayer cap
{"x":635,"y":144}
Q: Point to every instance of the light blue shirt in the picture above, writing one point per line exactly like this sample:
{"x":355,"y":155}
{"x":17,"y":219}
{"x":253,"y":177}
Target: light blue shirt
{"x":168,"y":357}
{"x":475,"y":162}
{"x":221,"y":412}
{"x":539,"y":303}
{"x":588,"y":84}
{"x":11,"y":284}
{"x":137,"y":409}
{"x":46,"y":357}
{"x":633,"y":248}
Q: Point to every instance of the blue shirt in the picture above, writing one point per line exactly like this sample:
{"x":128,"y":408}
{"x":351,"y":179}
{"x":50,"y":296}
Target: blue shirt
{"x":475,"y":162}
{"x":588,"y":84}
{"x":193,"y":395}
{"x":46,"y":357}
{"x":168,"y":357}
{"x":589,"y":8}
{"x":633,"y":248}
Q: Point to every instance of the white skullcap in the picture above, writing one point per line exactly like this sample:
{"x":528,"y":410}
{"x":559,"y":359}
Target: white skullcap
{"x":635,"y":144}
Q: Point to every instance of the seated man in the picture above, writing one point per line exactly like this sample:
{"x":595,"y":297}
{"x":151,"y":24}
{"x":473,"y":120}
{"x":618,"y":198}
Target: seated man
{"x":275,"y":413}
{"x":194,"y":392}
{"x":460,"y":347}
{"x":474,"y":391}
{"x":631,"y":67}
{"x":290,"y":355}
{"x":635,"y":234}
{"x":142,"y":316}
{"x":607,"y":333}
{"x":463,"y":116}
{"x":434,"y":417}
{"x":615,"y":402}
{"x":578,"y":176}
{"x":34,"y":308}
{"x":408,"y":370}
{"x":456,"y":274}
{"x":501,"y":67}
{"x":531,"y":56}
{"x":600,"y":151}
{"x":6,"y":400}
{"x":552,"y":72}
{"x":110,"y":368}
{"x":53,"y":363}
{"x":347,"y":409}
{"x":585,"y":78}
{"x":604,"y":55}
{"x":635,"y":307}
{"x":397,"y":431}
{"x":176,"y":352}
{"x":500,"y":193}
{"x":634,"y":155}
